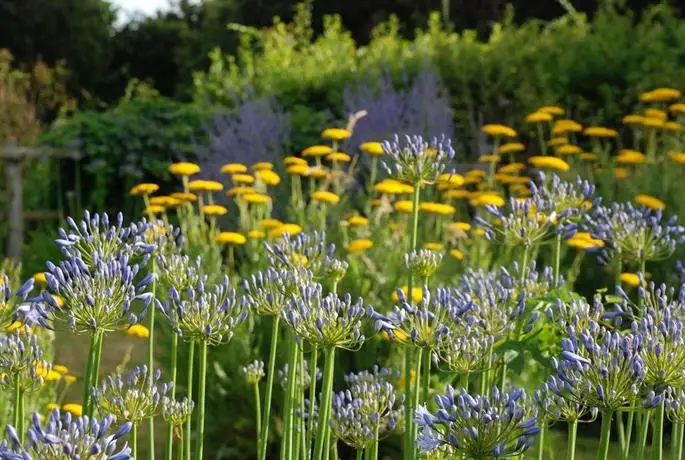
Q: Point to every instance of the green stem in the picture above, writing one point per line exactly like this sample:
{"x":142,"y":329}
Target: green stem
{"x":201,"y":388}
{"x":179,"y":445}
{"x":644,"y":428}
{"x":89,"y":372}
{"x":658,"y":436}
{"x":291,"y":402}
{"x":571,"y":448}
{"x":541,"y":442}
{"x":485,"y":375}
{"x":629,"y":434}
{"x":621,"y":431}
{"x":174,"y":364}
{"x":360,"y":454}
{"x":95,"y":371}
{"x":151,"y":362}
{"x":189,"y":424}
{"x":258,"y":411}
{"x":617,"y":275}
{"x":313,"y":362}
{"x":605,"y":436}
{"x":679,"y":446}
{"x":18,"y":408}
{"x":134,"y":440}
{"x":266,"y":414}
{"x":415,"y":403}
{"x":557,"y":259}
{"x":324,"y":409}
{"x":426,"y":376}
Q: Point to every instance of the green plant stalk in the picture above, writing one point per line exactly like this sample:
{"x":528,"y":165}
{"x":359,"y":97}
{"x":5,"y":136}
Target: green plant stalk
{"x":557,"y":259}
{"x":134,"y":440}
{"x":89,"y":372}
{"x":621,"y":431}
{"x":642,"y":435}
{"x":360,"y":454}
{"x":266,"y":414}
{"x":189,"y":423}
{"x":151,"y":361}
{"x":18,"y":407}
{"x":325,"y":408}
{"x":313,"y":362}
{"x":291,"y":402}
{"x":201,"y":389}
{"x":179,"y":445}
{"x":658,"y":436}
{"x":679,"y":446}
{"x":95,"y":370}
{"x":485,"y":375}
{"x":426,"y":376}
{"x":373,"y":454}
{"x":628,"y":434}
{"x":258,"y":411}
{"x":416,"y":395}
{"x":298,"y":422}
{"x":605,"y":436}
{"x":174,"y":364}
{"x":541,"y":441}
{"x":571,"y":448}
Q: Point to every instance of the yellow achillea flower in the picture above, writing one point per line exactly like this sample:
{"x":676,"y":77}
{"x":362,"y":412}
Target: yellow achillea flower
{"x":521,"y":190}
{"x":242,"y":179}
{"x":566,"y":126}
{"x":660,"y":95}
{"x":600,"y":131}
{"x":16,"y":326}
{"x":184,"y":196}
{"x":549,"y":162}
{"x":678,"y":107}
{"x":506,"y":179}
{"x":650,"y":201}
{"x":677,"y":157}
{"x":70,"y":378}
{"x":434,"y":246}
{"x":184,"y":168}
{"x":584,"y":241}
{"x":587,"y":156}
{"x":512,"y":168}
{"x":398,"y":335}
{"x":317,"y":172}
{"x":417,"y":294}
{"x":358,"y":221}
{"x":631,"y":157}
{"x":234,"y":168}
{"x":317,"y":151}
{"x":143,"y":189}
{"x":52,"y":406}
{"x":621,"y":173}
{"x":511,"y":147}
{"x":256,"y":198}
{"x":437,"y":208}
{"x":336,"y":134}
{"x":393,"y":187}
{"x":231,"y":238}
{"x":557,"y":141}
{"x":498,"y":130}
{"x":339,"y":156}
{"x":290,"y":229}
{"x":450,"y":178}
{"x":60,"y":368}
{"x":568,"y":149}
{"x":138,"y":330}
{"x":323,"y":196}
{"x":552,"y":110}
{"x":539,"y":117}
{"x":631,"y":279}
{"x":656,"y":113}
{"x":268,"y":177}
{"x":205,"y":186}
{"x":487,"y":198}
{"x":214,"y":210}
{"x":456,"y":194}
{"x":163,"y":200}
{"x":633,"y":119}
{"x":268,"y":224}
{"x":40,"y":278}
{"x":289,"y":161}
{"x":297,"y":169}
{"x":652,"y":122}
{"x":372,"y":148}
{"x":262,"y":166}
{"x":460,"y":226}
{"x":476,"y":173}
{"x":359,"y":245}
{"x":74,"y":409}
{"x":239,"y":191}
{"x":154,"y":209}
{"x":457,"y":254}
{"x":489,"y":159}
{"x":673,"y":126}
{"x":256,"y":234}
{"x":404,"y":206}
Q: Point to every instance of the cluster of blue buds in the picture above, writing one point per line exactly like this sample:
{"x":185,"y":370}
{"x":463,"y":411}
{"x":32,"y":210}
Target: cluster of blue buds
{"x":21,"y":361}
{"x":9,"y":301}
{"x":327,"y":321}
{"x":465,"y":348}
{"x":64,"y":437}
{"x":304,"y":251}
{"x":423,"y":262}
{"x":303,"y":377}
{"x":553,"y":407}
{"x":135,"y":397}
{"x":533,"y":282}
{"x":412,"y":159}
{"x":253,"y":372}
{"x":267,"y":292}
{"x":368,"y":410}
{"x":576,"y":313}
{"x":178,"y":271}
{"x":523,"y":223}
{"x":600,"y":368}
{"x":503,"y":424}
{"x":634,"y":233}
{"x":568,"y":200}
{"x":99,"y":294}
{"x":177,"y":413}
{"x":205,"y":314}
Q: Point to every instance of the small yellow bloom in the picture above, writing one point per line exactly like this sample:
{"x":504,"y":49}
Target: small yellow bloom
{"x":678,"y":107}
{"x":358,"y":221}
{"x":566,"y":126}
{"x":231,"y":238}
{"x":631,"y":157}
{"x":660,"y":95}
{"x":239,"y":191}
{"x":74,"y":409}
{"x":568,"y":149}
{"x":552,"y":110}
{"x":165,"y":201}
{"x":60,"y":368}
{"x":143,"y":189}
{"x":437,"y":208}
{"x":262,"y":166}
{"x":449,"y":178}
{"x":393,"y":187}
{"x":489,"y":159}
{"x":372,"y":148}
{"x":506,"y":179}
{"x":323,"y":196}
{"x":633,"y":119}
{"x":512,"y":168}
{"x":59,"y":300}
{"x":214,"y":210}
{"x":268,"y":224}
{"x":600,"y":131}
{"x":511,"y":147}
{"x":476,"y":173}
{"x":256,"y":198}
{"x":290,"y":229}
{"x":417,"y":294}
{"x":359,"y":245}
{"x":339,"y":156}
{"x":256,"y":234}
{"x":457,"y":254}
{"x":456,"y":194}
{"x":317,"y":172}
{"x":234,"y":168}
{"x":184,"y":196}
{"x":461,"y":226}
{"x":539,"y":117}
{"x":487,"y":199}
{"x":587,"y":156}
{"x":557,"y":141}
{"x":70,"y":378}
{"x":205,"y":186}
{"x":673,"y":126}
{"x":656,"y":113}
{"x":405,"y":206}
{"x":52,"y":406}
{"x":154,"y":209}
{"x":631,"y":279}
{"x":317,"y":151}
{"x":290,"y":161}
{"x":584,"y":241}
{"x":40,"y":278}
{"x":242,"y":179}
{"x":621,"y":173}
{"x":549,"y":162}
{"x":398,"y":335}
{"x":434,"y":246}
{"x":138,"y":330}
{"x":297,"y":170}
{"x":651,"y":122}
{"x":184,"y":169}
{"x":498,"y":130}
{"x":677,"y":157}
{"x":16,"y":326}
{"x":650,"y":201}
{"x":268,"y":177}
{"x":336,"y":134}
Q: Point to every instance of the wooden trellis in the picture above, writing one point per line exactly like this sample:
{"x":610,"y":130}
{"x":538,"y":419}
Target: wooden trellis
{"x":13,"y":158}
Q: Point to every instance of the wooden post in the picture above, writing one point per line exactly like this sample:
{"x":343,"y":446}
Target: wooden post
{"x":13,"y":178}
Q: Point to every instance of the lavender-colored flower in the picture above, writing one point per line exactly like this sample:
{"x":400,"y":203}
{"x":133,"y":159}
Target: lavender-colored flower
{"x":501,"y":425}
{"x":178,"y":271}
{"x":253,"y":372}
{"x":98,"y":296}
{"x":209,"y":314}
{"x":64,"y":437}
{"x":675,"y":405}
{"x":600,"y":368}
{"x":534,"y":282}
{"x":576,"y":312}
{"x":554,"y":407}
{"x":9,"y":301}
{"x":524,"y":223}
{"x":304,"y":376}
{"x":413,"y":160}
{"x":177,"y":413}
{"x":135,"y":397}
{"x":21,"y":361}
{"x":465,"y":348}
{"x":267,"y":292}
{"x":568,"y":200}
{"x":634,"y":234}
{"x":327,"y":321}
{"x":308,"y":251}
{"x":423,"y":262}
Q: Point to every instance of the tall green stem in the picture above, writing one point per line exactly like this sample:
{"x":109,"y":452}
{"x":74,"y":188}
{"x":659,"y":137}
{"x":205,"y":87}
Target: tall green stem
{"x":258,"y":411}
{"x":89,"y":372}
{"x":605,"y":436}
{"x":325,"y":408}
{"x":643,"y":429}
{"x":360,"y":454}
{"x":174,"y":364}
{"x":18,"y":407}
{"x":416,"y":394}
{"x":571,"y":448}
{"x":189,"y":385}
{"x":201,"y":388}
{"x":151,"y":361}
{"x":426,"y":375}
{"x":93,"y":373}
{"x":658,"y":436}
{"x":134,"y":440}
{"x":291,"y":401}
{"x":313,"y":362}
{"x":266,"y":414}
{"x":678,"y":448}
{"x":628,"y":434}
{"x":557,"y":259}
{"x":541,"y":442}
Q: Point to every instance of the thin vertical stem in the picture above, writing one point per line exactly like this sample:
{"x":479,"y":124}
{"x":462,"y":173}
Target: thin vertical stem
{"x":201,"y":388}
{"x":291,"y":402}
{"x":541,"y":441}
{"x":621,"y":431}
{"x":557,"y":259}
{"x":174,"y":364}
{"x":151,"y":361}
{"x":644,"y":428}
{"x":426,"y":376}
{"x":658,"y":436}
{"x":360,"y":454}
{"x":179,"y":445}
{"x":679,"y":446}
{"x":571,"y":448}
{"x":89,"y":371}
{"x":628,"y":434}
{"x":675,"y":439}
{"x":18,"y":407}
{"x":485,"y":375}
{"x":134,"y":440}
{"x":324,"y":409}
{"x":416,"y":394}
{"x":313,"y":362}
{"x":266,"y":414}
{"x":95,"y":371}
{"x":258,"y":411}
{"x":605,"y":436}
{"x":189,"y":423}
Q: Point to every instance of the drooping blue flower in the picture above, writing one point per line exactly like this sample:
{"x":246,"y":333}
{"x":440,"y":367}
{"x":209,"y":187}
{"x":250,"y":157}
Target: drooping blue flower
{"x":554,"y":407}
{"x":413,"y":159}
{"x":524,"y":223}
{"x":178,"y":271}
{"x":21,"y":361}
{"x":303,"y":377}
{"x":569,"y":200}
{"x":9,"y":301}
{"x":267,"y":292}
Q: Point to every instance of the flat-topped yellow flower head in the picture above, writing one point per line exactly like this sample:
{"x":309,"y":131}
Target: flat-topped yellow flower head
{"x":214,"y":210}
{"x":372,"y":148}
{"x":539,"y":117}
{"x":336,"y":134}
{"x":437,"y":208}
{"x":234,"y":168}
{"x":268,"y":177}
{"x":511,"y":147}
{"x":600,"y":132}
{"x":553,"y":110}
{"x":660,"y":95}
{"x":138,"y":330}
{"x":231,"y":238}
{"x":359,"y":245}
{"x":323,"y":196}
{"x":289,"y":161}
{"x":549,"y":162}
{"x":566,"y":126}
{"x":317,"y":151}
{"x":358,"y":221}
{"x":143,"y":189}
{"x":339,"y":156}
{"x":262,"y":166}
{"x":498,"y":130}
{"x":184,"y":168}
{"x":651,"y":202}
{"x":244,"y":179}
{"x":205,"y":186}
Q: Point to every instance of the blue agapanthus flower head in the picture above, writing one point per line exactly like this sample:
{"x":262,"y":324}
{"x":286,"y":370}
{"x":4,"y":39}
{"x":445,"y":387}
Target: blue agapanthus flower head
{"x":554,"y":407}
{"x":569,"y":200}
{"x":267,"y":292}
{"x":21,"y":362}
{"x":413,"y":159}
{"x":308,"y":251}
{"x":11,"y":301}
